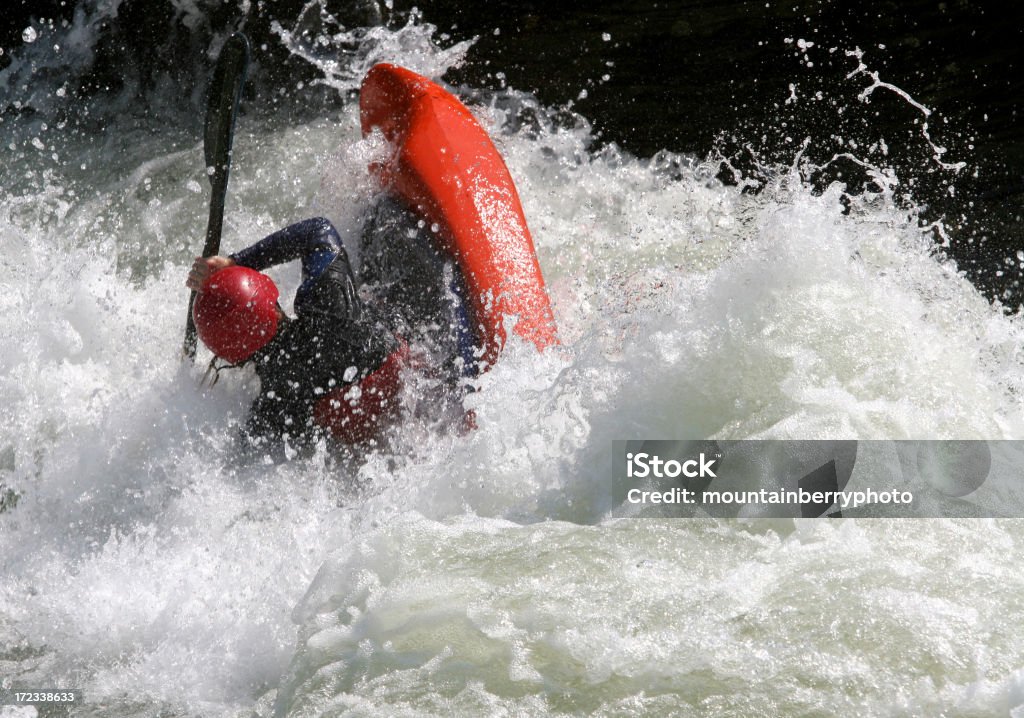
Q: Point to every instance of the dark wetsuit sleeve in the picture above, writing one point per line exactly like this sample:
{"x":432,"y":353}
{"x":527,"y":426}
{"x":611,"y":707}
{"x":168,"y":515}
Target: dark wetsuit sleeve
{"x":315,"y":241}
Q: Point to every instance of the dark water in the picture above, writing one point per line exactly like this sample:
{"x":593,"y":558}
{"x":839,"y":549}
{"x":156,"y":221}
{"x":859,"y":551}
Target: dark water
{"x":686,"y":76}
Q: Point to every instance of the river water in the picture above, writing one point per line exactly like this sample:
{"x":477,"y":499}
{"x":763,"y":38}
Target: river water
{"x":482,"y":574}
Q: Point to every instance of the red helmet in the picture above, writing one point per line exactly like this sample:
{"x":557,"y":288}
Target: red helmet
{"x":236,"y":312}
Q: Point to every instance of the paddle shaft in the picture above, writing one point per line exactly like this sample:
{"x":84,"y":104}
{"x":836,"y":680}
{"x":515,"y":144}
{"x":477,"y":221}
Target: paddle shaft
{"x":225,"y":93}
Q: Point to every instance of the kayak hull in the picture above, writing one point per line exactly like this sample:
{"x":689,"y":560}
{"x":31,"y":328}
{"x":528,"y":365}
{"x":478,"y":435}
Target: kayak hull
{"x":447,"y":170}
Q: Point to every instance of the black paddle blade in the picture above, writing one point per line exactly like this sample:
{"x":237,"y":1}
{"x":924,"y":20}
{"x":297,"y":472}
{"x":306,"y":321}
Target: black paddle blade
{"x":222,"y":106}
{"x":218,"y":132}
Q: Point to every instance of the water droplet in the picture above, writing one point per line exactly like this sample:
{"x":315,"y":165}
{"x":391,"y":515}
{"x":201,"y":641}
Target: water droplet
{"x":29,"y":34}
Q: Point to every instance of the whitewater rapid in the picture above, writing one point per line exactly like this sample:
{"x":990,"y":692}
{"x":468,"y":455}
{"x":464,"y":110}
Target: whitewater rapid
{"x":481,"y":574}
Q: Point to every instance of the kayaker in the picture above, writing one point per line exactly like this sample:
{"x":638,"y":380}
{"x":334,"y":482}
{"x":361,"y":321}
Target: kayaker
{"x":334,"y":367}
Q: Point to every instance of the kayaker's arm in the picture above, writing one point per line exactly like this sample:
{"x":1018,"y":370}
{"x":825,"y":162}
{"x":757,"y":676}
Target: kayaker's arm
{"x":315,"y":241}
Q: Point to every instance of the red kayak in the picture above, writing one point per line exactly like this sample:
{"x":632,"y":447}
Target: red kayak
{"x":447,"y":170}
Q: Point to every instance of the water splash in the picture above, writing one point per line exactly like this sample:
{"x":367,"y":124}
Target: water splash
{"x":345,"y":54}
{"x":877,"y":83}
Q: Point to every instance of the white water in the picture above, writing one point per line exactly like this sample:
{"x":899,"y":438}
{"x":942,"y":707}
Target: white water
{"x":480,"y":574}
